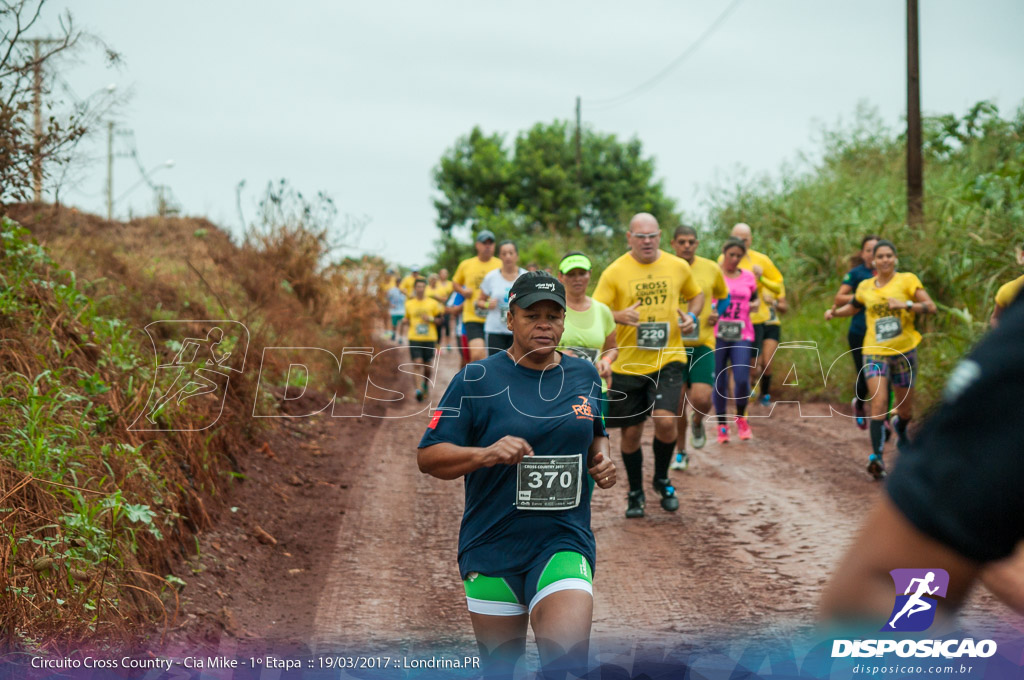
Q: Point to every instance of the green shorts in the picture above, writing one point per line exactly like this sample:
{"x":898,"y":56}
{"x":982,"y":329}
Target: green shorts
{"x":519,"y":593}
{"x":396,"y":319}
{"x":700,"y":365}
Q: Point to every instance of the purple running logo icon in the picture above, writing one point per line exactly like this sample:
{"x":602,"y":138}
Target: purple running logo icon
{"x":914,"y":609}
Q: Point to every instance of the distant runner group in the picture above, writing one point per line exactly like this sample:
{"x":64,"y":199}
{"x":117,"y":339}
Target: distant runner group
{"x":547,"y":369}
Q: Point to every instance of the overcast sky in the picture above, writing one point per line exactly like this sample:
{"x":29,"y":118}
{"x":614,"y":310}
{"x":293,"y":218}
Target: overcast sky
{"x":361,"y":99}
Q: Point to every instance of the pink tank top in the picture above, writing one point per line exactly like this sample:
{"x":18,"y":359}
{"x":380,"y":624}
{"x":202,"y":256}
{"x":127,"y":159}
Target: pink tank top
{"x":735,"y":323}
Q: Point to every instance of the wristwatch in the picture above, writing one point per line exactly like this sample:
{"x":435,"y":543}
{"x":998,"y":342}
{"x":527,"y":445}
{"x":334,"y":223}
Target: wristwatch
{"x":910,"y":304}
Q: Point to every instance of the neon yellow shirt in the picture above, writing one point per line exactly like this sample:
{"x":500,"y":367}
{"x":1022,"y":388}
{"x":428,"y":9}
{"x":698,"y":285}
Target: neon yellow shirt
{"x":890,"y":331}
{"x":771,"y":279}
{"x":1007,"y":292}
{"x":658,"y":287}
{"x":471,"y":273}
{"x":420,"y":314}
{"x":709,"y":277}
{"x":407,"y":284}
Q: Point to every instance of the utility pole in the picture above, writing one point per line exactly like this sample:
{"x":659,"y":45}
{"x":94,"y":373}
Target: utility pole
{"x":37,"y":111}
{"x":110,"y":170}
{"x":579,"y":160}
{"x":915,"y":180}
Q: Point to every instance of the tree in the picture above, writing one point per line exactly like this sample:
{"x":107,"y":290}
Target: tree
{"x":539,"y":189}
{"x":27,"y":153}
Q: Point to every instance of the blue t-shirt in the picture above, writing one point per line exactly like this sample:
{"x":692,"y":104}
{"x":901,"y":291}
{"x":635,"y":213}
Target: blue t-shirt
{"x":558,"y":412}
{"x":858,"y":326}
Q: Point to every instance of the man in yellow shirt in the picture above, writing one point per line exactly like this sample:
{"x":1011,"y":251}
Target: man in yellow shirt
{"x":445,"y":326}
{"x":407,"y":283}
{"x":699,"y":371}
{"x":643,"y":289}
{"x":467,"y":279}
{"x":769,"y":278}
{"x":421,"y":313}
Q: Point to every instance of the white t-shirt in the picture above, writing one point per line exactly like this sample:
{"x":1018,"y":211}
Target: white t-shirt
{"x":496,"y":286}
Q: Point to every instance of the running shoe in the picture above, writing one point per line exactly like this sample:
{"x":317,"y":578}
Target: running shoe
{"x":669,"y":502}
{"x":635,"y":503}
{"x":765,"y":400}
{"x":876,"y":466}
{"x":858,"y":410}
{"x":744,"y":428}
{"x":699,"y":437}
{"x":723,"y":434}
{"x":681,"y":461}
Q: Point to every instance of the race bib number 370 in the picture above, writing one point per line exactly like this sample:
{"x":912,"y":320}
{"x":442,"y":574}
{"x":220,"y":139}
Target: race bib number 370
{"x":549,"y":482}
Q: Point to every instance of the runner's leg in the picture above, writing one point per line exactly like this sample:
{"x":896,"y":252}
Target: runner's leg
{"x":561,"y":623}
{"x":502,"y":642}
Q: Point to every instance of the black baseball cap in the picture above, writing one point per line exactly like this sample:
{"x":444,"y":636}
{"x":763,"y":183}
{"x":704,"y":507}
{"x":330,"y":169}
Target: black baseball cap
{"x":485,"y":235}
{"x":533,"y":287}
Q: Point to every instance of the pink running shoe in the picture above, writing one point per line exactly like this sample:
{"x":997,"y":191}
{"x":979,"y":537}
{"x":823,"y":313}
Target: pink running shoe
{"x":723,"y":433}
{"x":744,"y":428}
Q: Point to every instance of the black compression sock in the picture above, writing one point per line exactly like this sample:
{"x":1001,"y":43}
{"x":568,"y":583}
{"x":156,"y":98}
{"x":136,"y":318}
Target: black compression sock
{"x":766,"y":385}
{"x":662,"y":457}
{"x":634,"y":464}
{"x":900,"y":426}
{"x":877,"y":434}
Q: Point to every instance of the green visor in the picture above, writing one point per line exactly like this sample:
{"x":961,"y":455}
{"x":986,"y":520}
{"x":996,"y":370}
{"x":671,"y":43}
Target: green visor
{"x":574,"y":262}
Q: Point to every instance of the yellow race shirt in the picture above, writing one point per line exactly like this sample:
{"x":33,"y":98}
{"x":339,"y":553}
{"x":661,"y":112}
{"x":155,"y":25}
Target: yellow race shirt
{"x":771,"y":279}
{"x":709,"y":277}
{"x":890,"y":331}
{"x":420,"y":314}
{"x":1007,"y":292}
{"x":407,"y":284}
{"x":658,"y":287}
{"x":471,"y":273}
{"x":440,"y":291}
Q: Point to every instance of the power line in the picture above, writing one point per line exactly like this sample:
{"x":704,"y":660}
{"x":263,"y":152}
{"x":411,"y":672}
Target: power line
{"x":610,"y":102}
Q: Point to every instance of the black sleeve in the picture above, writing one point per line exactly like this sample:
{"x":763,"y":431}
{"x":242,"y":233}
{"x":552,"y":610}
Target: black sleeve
{"x":961,"y":479}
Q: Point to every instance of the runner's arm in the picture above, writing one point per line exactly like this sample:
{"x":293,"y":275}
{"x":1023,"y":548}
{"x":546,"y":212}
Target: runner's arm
{"x":844,"y":295}
{"x":997,"y":312}
{"x":599,"y":463}
{"x":922,"y":298}
{"x":861,"y":588}
{"x":450,"y":461}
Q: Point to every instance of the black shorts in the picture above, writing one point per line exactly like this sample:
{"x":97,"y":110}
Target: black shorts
{"x":633,"y":397}
{"x":772,"y":332}
{"x":474,"y":330}
{"x":758,"y":337}
{"x":498,"y":342}
{"x":422,"y":349}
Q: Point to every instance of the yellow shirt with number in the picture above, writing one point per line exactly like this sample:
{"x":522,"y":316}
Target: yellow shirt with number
{"x":658,"y":287}
{"x":903,"y":286}
{"x":471,"y":273}
{"x":709,"y":277}
{"x":768,"y":271}
{"x":415,"y":311}
{"x":1007,"y":292}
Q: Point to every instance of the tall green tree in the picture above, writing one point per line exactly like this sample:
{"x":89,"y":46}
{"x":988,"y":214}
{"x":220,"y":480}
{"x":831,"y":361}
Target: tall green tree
{"x":536,"y":187}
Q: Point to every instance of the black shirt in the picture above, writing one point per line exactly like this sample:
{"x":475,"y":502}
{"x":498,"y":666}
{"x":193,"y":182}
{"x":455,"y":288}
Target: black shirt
{"x":961,"y":481}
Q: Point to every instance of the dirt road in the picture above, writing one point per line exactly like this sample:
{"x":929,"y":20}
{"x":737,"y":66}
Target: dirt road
{"x":366,"y":547}
{"x":760,"y":526}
